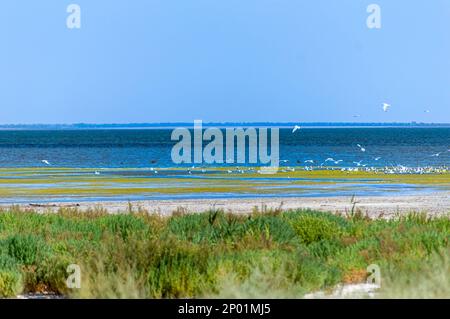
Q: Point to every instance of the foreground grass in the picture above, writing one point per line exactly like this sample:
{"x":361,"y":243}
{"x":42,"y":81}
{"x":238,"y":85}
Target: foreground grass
{"x":213,"y":254}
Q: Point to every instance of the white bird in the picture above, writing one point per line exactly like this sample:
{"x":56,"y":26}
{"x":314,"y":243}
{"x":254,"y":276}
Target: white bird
{"x":45,"y":162}
{"x":309,"y":161}
{"x":361,"y":148}
{"x":296,"y":127}
{"x":436,"y":155}
{"x":386,"y":107}
{"x":358,"y":163}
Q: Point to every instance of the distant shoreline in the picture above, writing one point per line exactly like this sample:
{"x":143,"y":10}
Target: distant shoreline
{"x":89,"y":126}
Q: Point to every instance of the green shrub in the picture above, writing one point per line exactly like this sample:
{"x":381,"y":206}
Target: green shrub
{"x":275,"y":227}
{"x":310,"y":273}
{"x":180,"y":271}
{"x":310,"y":228}
{"x":10,"y":283}
{"x":324,"y":248}
{"x":26,"y":249}
{"x":209,"y":227}
{"x":10,"y":276}
{"x":124,"y":225}
{"x":51,"y":273}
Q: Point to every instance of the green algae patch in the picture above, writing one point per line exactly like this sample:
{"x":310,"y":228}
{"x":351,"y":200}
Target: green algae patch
{"x":53,"y":181}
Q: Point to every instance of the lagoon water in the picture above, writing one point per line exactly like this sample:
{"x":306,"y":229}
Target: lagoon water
{"x":123,"y":164}
{"x":139,"y":148}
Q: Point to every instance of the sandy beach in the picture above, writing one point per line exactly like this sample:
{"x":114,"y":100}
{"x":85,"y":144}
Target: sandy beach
{"x":374,"y":206}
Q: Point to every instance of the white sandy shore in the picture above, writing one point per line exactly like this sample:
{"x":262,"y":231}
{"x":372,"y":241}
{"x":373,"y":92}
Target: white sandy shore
{"x":375,"y":206}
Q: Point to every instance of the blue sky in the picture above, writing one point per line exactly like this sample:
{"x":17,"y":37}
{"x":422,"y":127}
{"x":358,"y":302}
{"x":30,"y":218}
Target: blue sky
{"x":224,"y":60}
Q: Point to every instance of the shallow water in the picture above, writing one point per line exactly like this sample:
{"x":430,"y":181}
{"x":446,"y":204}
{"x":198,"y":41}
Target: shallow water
{"x":124,"y":159}
{"x":193,"y":196}
{"x":77,"y":185}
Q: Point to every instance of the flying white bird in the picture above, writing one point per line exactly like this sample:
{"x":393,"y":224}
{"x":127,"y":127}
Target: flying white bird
{"x":436,"y":155}
{"x":45,"y":162}
{"x":361,"y":148}
{"x":309,"y":161}
{"x":386,"y":107}
{"x":358,"y":163}
{"x":296,"y":127}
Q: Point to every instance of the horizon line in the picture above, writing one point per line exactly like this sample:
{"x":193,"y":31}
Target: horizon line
{"x":82,"y":125}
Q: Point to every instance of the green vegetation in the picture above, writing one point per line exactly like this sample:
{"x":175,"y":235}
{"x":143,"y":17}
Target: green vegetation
{"x":214,"y":254}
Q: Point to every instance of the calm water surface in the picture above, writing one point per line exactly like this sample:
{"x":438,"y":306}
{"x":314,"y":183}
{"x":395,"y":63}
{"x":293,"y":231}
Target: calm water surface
{"x":152,"y":147}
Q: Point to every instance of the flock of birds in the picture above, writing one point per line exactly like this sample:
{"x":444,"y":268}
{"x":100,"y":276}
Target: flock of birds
{"x":325,"y":165}
{"x":358,"y":165}
{"x":398,"y":169}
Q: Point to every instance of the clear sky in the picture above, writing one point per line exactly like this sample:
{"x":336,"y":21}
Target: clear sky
{"x":224,"y":60}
